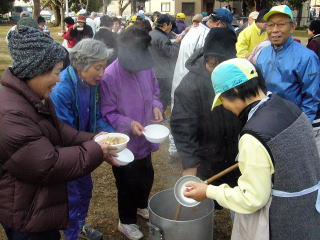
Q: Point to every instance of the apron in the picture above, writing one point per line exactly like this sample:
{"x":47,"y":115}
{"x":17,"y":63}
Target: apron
{"x":255,"y":226}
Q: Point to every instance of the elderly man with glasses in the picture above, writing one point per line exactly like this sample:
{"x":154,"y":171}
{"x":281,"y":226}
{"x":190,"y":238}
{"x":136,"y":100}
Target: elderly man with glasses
{"x":289,"y":68}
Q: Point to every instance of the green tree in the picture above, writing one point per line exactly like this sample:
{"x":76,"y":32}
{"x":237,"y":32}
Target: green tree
{"x":94,"y":5}
{"x":5,"y":6}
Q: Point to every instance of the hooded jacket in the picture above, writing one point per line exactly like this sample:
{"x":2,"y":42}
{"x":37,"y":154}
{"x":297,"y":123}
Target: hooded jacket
{"x":39,"y":155}
{"x":128,"y":96}
{"x":203,"y":138}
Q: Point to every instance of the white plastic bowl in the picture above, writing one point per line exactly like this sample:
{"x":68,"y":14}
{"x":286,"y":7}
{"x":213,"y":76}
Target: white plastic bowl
{"x":156,"y":133}
{"x":120,"y":146}
{"x":124,"y":157}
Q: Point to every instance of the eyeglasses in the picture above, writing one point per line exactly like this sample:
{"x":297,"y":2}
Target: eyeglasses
{"x":271,"y":25}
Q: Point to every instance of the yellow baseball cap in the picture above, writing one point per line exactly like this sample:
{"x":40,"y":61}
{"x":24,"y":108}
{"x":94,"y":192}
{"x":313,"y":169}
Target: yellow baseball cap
{"x":284,"y":9}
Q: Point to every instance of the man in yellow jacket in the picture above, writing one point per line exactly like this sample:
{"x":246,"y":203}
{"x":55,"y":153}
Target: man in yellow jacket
{"x":250,"y":37}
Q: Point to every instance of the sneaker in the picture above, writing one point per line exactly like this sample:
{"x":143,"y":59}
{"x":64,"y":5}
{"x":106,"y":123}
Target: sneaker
{"x":143,"y":212}
{"x":90,"y":233}
{"x":130,"y":230}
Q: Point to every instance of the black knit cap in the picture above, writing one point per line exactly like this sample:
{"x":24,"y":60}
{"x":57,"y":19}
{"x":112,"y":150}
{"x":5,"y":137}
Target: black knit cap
{"x":162,"y":19}
{"x":33,"y":52}
{"x":220,"y":43}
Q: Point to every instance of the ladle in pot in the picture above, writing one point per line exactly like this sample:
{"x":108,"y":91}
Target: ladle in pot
{"x":180,"y":187}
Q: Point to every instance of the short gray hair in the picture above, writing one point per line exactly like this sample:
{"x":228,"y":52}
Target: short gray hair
{"x":87,"y":52}
{"x":93,"y":14}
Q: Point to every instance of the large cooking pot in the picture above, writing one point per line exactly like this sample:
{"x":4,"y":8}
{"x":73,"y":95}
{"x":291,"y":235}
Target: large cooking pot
{"x":193,"y":223}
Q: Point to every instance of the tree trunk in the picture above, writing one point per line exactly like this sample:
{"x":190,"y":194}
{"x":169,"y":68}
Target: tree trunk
{"x":82,"y":5}
{"x":36,"y":9}
{"x":121,"y":9}
{"x":62,"y":18}
{"x":87,"y":6}
{"x":105,"y":7}
{"x":57,"y":15}
{"x":299,"y":15}
{"x":133,"y":7}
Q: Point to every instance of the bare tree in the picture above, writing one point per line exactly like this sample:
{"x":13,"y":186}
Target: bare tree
{"x":123,"y":6}
{"x":105,"y":6}
{"x":36,"y":9}
{"x":87,"y":5}
{"x":133,"y":7}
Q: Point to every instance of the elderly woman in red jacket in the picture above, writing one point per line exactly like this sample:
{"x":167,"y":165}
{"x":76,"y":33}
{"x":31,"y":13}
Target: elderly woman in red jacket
{"x":39,"y":154}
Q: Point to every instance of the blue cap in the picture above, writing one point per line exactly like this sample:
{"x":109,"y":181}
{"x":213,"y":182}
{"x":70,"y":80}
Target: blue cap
{"x":141,"y":15}
{"x":223,"y":15}
{"x":230,"y":74}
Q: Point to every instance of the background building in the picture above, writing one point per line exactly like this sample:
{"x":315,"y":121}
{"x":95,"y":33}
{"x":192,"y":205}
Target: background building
{"x":189,"y":7}
{"x":315,"y":8}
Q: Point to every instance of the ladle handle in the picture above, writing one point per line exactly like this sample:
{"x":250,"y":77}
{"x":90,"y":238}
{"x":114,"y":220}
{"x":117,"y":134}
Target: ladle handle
{"x":220,"y":174}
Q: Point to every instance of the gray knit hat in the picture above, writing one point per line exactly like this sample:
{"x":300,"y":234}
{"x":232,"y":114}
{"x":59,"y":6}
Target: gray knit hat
{"x":33,"y":52}
{"x":28,"y":22}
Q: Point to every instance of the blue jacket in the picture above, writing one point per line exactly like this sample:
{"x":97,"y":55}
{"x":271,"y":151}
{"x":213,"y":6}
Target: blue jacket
{"x":292,"y":71}
{"x":66,"y":100}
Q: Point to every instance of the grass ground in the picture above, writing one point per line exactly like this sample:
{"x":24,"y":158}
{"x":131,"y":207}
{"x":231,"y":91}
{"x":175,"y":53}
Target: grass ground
{"x":5,"y":59}
{"x":301,"y":33}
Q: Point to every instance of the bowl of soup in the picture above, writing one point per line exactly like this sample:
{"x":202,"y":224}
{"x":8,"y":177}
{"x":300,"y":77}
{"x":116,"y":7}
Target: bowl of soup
{"x":118,"y":140}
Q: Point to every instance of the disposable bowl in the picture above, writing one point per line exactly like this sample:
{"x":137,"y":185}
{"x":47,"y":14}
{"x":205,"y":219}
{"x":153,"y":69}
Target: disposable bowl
{"x":119,"y":146}
{"x":124,"y":157}
{"x":156,"y":133}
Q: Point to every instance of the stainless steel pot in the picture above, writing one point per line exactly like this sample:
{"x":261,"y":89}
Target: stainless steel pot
{"x":194,"y":223}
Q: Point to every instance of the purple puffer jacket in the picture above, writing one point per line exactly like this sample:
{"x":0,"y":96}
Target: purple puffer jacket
{"x":130,"y":96}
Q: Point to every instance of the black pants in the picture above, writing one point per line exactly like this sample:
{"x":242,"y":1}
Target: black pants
{"x":134,"y":182}
{"x":16,"y":235}
{"x":165,"y":85}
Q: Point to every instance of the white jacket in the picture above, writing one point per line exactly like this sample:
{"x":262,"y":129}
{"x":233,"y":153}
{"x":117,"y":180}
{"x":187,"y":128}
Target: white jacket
{"x":192,"y":41}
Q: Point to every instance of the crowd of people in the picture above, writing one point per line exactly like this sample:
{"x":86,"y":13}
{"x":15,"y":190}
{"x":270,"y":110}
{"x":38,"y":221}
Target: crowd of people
{"x":248,"y":93}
